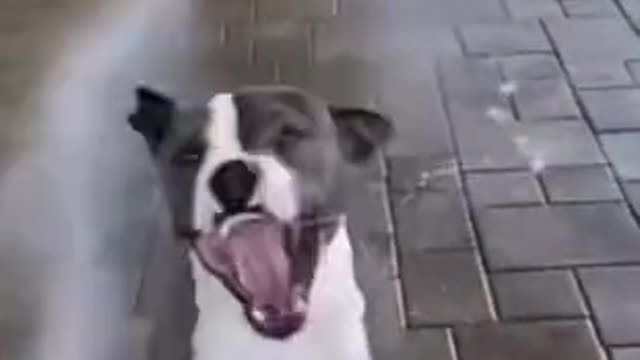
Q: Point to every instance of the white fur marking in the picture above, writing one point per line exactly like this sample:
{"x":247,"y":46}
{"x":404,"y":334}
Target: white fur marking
{"x":276,"y":190}
{"x":222,"y":132}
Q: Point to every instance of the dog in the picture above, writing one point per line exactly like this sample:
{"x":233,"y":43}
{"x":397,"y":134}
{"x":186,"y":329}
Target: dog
{"x":260,"y":195}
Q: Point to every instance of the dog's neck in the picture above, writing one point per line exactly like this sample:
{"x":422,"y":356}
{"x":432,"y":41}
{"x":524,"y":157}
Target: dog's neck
{"x":334,"y":325}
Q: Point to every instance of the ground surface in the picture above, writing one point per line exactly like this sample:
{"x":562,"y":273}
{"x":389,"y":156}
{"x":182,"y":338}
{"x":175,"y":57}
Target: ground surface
{"x":501,"y":224}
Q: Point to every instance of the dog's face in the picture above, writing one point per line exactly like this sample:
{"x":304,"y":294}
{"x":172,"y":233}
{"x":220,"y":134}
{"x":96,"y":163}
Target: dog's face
{"x":256,"y":179}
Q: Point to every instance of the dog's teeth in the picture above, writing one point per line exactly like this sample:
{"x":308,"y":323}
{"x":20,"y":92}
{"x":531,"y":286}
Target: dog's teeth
{"x":258,"y":315}
{"x":300,"y":304}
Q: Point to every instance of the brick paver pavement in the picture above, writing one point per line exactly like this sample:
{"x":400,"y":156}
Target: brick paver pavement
{"x":502,"y":222}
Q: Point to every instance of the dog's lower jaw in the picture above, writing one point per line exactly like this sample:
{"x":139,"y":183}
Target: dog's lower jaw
{"x":334,"y":328}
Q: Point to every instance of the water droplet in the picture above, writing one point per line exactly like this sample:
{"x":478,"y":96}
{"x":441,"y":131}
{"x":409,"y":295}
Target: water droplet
{"x":499,"y":115}
{"x":508,"y":88}
{"x":537,"y":164}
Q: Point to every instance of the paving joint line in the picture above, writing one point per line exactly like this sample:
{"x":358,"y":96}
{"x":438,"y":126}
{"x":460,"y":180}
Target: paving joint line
{"x":457,"y":35}
{"x":619,"y":131}
{"x":543,"y":190}
{"x":627,"y":66}
{"x":596,"y":88}
{"x":552,"y":119}
{"x":335,"y":7}
{"x":417,"y":326}
{"x":253,"y":52}
{"x":545,"y":319}
{"x":517,"y":53}
{"x":312,"y":34}
{"x":590,"y":123}
{"x":277,"y":78}
{"x":563,"y":9}
{"x":564,"y":203}
{"x":452,"y":342}
{"x":443,"y":250}
{"x":465,"y":197}
{"x":223,"y":34}
{"x":625,"y":16}
{"x":253,"y":11}
{"x":504,"y":321}
{"x":395,"y":254}
{"x":514,"y":205}
{"x":591,"y":311}
{"x":627,"y":346}
{"x":509,"y":97}
{"x":565,"y":267}
{"x":505,"y":10}
{"x":587,"y":202}
{"x":507,"y":170}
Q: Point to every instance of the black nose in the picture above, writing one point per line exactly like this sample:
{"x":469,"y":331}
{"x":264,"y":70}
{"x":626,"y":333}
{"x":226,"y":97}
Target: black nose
{"x":233,"y":184}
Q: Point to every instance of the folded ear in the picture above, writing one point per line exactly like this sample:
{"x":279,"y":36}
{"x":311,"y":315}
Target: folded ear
{"x":360,"y":132}
{"x":152,"y":115}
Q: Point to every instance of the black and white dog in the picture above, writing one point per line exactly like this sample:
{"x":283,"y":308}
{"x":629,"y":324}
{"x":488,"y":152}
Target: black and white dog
{"x":270,"y":253}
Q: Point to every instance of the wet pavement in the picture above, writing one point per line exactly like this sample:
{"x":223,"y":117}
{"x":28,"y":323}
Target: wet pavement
{"x":502,"y":223}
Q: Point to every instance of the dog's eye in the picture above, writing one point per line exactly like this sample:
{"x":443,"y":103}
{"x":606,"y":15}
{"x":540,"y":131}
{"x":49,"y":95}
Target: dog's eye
{"x":292,"y":133}
{"x":289,"y":136}
{"x":190,"y":154}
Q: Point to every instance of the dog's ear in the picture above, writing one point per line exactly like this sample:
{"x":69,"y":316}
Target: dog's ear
{"x":152,"y":115}
{"x":360,"y":132}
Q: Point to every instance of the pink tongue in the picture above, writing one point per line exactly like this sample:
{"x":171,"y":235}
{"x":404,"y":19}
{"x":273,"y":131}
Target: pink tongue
{"x":257,"y":250}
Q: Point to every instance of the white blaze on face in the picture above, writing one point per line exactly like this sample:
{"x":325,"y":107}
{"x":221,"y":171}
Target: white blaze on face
{"x":222,"y":132}
{"x":276,"y":189}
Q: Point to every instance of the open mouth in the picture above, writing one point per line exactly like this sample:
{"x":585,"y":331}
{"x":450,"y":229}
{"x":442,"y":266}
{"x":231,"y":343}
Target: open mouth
{"x":267,"y":264}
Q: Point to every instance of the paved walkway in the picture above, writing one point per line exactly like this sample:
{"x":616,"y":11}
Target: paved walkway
{"x":501,"y":224}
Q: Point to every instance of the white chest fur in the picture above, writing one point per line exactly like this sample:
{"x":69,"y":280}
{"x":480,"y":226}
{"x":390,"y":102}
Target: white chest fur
{"x":334,"y":328}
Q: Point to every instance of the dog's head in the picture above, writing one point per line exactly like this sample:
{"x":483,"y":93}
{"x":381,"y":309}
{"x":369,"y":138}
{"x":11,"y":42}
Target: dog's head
{"x":256,"y":179}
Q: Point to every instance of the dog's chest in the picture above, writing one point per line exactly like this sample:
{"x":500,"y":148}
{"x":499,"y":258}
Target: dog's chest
{"x":333,"y":339}
{"x":334,"y":328}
